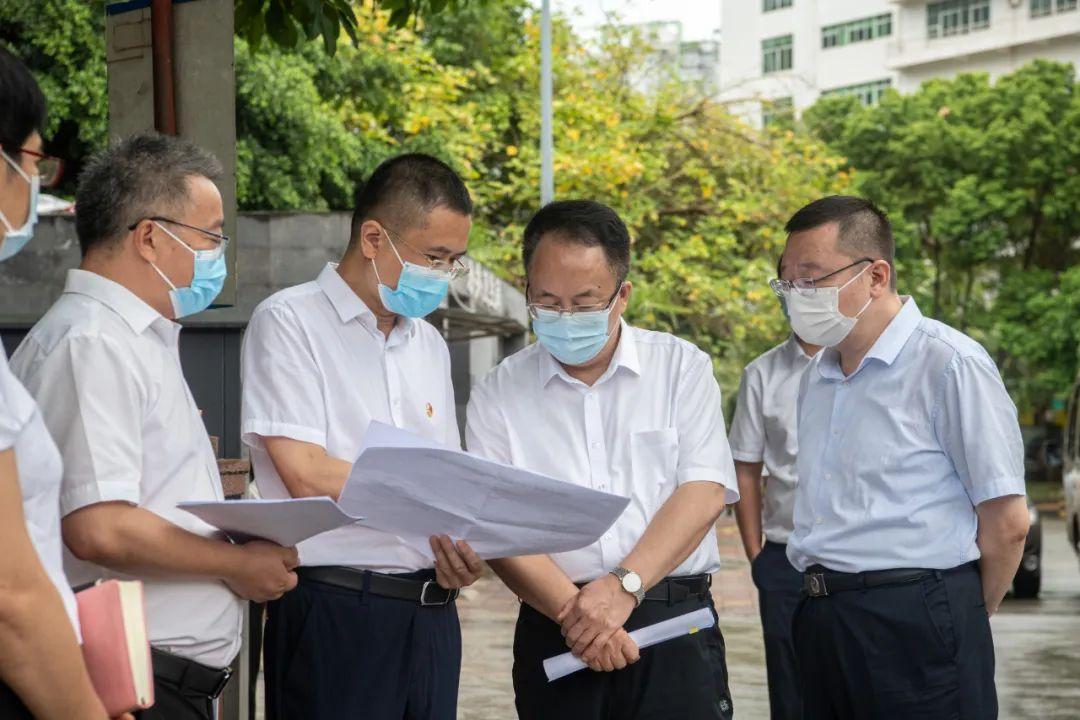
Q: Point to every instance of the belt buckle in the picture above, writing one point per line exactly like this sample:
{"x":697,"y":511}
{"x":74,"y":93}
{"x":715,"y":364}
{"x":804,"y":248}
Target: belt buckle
{"x":450,"y":595}
{"x":226,"y":675}
{"x":816,"y":585}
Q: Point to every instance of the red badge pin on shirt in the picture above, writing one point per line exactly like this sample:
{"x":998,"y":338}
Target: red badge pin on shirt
{"x":430,"y":410}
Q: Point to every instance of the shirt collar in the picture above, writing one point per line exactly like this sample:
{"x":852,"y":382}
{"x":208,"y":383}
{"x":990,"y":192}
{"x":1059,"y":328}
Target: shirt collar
{"x":129,"y":306}
{"x":795,"y":350}
{"x":886,"y":348}
{"x":626,"y":356}
{"x":347,"y":303}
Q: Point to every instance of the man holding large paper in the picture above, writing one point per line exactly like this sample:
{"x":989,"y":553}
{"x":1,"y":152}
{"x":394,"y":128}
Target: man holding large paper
{"x":371,"y":630}
{"x":603,"y":404}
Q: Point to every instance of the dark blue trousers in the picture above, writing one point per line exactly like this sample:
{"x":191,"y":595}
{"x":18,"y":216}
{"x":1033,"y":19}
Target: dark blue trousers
{"x":780,"y":588}
{"x":917,"y":651}
{"x":337,"y":654}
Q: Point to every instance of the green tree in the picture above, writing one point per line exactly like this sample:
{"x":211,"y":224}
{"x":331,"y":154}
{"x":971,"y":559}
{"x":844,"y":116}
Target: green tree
{"x":982,"y":181}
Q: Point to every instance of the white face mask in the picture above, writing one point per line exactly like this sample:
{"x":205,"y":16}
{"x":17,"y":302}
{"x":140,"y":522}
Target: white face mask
{"x":816,"y":316}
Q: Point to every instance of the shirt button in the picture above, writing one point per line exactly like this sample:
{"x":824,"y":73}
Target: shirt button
{"x":596,"y":444}
{"x":828,"y":476}
{"x":819,"y":521}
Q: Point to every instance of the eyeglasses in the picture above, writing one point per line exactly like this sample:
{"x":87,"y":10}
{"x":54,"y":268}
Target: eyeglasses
{"x":50,"y":169}
{"x":536,"y":309}
{"x":808,"y":286}
{"x":455,"y":268}
{"x":222,"y":240}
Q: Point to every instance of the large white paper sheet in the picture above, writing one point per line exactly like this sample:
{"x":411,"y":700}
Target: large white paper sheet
{"x":414,"y":488}
{"x":688,"y":624}
{"x":285,"y":522}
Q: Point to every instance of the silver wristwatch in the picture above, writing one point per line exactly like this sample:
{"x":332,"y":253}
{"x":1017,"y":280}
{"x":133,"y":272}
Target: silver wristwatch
{"x":631,"y":583}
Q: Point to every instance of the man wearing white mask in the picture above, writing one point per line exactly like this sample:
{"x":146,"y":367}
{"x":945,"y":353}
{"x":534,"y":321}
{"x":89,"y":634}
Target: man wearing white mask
{"x":909,"y":518}
{"x":600,"y":403}
{"x":372,"y":629}
{"x":104,"y":367}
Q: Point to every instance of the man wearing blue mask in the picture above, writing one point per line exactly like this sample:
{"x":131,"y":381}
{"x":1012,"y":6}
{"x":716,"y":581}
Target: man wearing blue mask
{"x":372,"y":629}
{"x":600,"y":403}
{"x":103,"y":365}
{"x":909,"y":518}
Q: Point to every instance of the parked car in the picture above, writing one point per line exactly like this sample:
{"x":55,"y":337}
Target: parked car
{"x":1028,"y":578}
{"x":1071,"y":469}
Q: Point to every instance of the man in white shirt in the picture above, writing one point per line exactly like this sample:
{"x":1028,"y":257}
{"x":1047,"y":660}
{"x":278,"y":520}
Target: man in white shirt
{"x":372,"y":629}
{"x":764,"y":437}
{"x":636,"y":413}
{"x":909,"y":518}
{"x":103,"y":366}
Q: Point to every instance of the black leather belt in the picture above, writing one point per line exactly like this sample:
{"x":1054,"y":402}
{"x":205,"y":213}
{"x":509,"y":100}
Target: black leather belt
{"x":819,"y":581}
{"x":189,"y":675}
{"x":415,"y":587}
{"x":672,"y":590}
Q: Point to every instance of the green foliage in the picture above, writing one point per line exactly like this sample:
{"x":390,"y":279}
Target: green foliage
{"x":63,"y":42}
{"x":982,"y":181}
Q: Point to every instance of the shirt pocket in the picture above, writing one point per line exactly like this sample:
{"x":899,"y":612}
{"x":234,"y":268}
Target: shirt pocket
{"x":654,"y":460}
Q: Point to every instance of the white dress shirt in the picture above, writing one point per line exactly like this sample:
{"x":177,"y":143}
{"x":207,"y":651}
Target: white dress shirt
{"x":104,"y":368}
{"x":40,"y":469}
{"x":316,"y":368}
{"x":894,"y":458}
{"x":764,"y":430}
{"x":651,"y":423}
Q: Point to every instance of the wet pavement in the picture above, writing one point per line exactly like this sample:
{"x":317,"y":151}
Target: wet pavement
{"x":1037,"y":641}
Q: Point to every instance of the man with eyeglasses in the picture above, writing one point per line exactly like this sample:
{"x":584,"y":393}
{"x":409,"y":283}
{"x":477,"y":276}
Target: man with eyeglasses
{"x":600,"y":403}
{"x":909,"y":518}
{"x":372,"y":629}
{"x":764,"y":443}
{"x":103,"y":365}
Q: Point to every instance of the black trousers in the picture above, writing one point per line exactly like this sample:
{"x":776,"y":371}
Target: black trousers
{"x":780,"y":589}
{"x":337,"y":654}
{"x":11,"y":707}
{"x":171,"y":703}
{"x":920,"y":650}
{"x":680,"y":679}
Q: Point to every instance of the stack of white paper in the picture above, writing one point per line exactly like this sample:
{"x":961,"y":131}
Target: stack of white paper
{"x":688,"y":624}
{"x":285,"y":522}
{"x":414,"y":488}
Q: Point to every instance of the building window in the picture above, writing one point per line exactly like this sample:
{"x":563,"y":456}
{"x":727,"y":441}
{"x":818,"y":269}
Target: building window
{"x":868,"y":93}
{"x":1043,"y":8}
{"x":778,"y":111}
{"x":776,"y":54}
{"x":856,"y":31}
{"x":770,"y":5}
{"x":956,"y":17}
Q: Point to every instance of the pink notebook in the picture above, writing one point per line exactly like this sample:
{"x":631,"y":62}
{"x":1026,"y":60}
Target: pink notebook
{"x":115,"y":645}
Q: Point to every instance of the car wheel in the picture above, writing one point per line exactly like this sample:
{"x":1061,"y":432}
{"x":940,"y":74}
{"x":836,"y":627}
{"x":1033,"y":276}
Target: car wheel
{"x":1028,"y":577}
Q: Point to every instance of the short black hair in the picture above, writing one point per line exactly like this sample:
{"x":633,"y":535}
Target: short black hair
{"x":143,"y":175}
{"x":22,"y":104}
{"x":404,"y":189}
{"x":585,"y":222}
{"x":863,"y":229}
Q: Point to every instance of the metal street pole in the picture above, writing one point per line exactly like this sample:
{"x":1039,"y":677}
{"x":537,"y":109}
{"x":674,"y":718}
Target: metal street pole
{"x":547,"y":145}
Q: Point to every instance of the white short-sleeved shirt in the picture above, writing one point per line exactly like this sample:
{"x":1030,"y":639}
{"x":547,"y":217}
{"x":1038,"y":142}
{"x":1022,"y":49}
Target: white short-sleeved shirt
{"x":105,"y":370}
{"x":651,"y":423}
{"x":765,"y":430}
{"x":894,"y":458}
{"x":316,"y":368}
{"x":40,"y":470}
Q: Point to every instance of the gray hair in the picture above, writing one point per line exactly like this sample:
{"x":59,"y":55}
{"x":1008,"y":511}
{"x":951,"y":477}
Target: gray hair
{"x":138,"y":177}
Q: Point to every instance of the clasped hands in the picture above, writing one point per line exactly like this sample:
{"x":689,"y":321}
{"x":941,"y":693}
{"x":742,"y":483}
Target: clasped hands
{"x":592,"y":623}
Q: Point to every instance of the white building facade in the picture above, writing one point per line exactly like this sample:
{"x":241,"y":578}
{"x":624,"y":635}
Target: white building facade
{"x":779,"y":56}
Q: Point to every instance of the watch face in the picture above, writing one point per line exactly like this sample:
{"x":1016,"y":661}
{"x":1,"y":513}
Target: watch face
{"x":632,"y":582}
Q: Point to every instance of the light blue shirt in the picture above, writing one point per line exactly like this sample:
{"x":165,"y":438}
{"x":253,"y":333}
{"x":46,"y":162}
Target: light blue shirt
{"x":894,"y":458}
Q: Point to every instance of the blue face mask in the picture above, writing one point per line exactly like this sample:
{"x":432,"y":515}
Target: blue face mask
{"x":15,"y":240}
{"x":206,"y":282}
{"x":419,"y":292}
{"x":572,"y":339}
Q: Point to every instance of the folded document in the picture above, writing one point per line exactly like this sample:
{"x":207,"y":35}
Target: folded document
{"x":285,"y":522}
